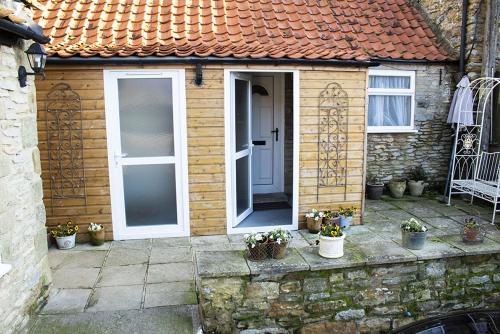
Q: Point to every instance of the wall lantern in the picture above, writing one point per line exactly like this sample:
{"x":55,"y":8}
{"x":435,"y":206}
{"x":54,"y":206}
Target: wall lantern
{"x":198,"y":80}
{"x":36,"y":57}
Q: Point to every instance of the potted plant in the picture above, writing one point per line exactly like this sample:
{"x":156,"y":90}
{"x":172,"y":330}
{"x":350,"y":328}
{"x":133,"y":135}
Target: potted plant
{"x":331,"y":241}
{"x":331,"y":217}
{"x":256,"y":245}
{"x":471,"y":231}
{"x":96,"y":234}
{"x":278,"y":243}
{"x":413,"y":234}
{"x":346,"y":216}
{"x":416,"y":181}
{"x":397,"y":188}
{"x":65,"y":235}
{"x":314,"y":219}
{"x":374,"y":188}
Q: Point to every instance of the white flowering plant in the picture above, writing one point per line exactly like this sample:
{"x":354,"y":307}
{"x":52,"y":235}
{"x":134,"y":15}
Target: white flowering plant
{"x":93,"y":227}
{"x":279,"y":235}
{"x":315,"y":214}
{"x":254,"y":238}
{"x":413,"y":225}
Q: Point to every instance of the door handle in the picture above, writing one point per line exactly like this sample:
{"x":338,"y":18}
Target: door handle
{"x":276,"y":132}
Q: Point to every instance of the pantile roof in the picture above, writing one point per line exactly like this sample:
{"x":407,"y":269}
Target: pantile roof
{"x":309,"y":29}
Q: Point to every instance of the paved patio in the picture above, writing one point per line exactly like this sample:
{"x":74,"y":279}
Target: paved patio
{"x":151,"y":283}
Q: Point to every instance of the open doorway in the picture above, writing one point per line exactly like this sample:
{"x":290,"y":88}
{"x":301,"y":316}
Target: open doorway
{"x":261,"y":150}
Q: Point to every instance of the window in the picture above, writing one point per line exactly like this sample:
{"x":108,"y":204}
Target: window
{"x":391,"y":96}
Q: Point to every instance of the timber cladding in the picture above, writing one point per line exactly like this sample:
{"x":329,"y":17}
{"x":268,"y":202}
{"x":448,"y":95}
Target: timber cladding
{"x":206,"y":152}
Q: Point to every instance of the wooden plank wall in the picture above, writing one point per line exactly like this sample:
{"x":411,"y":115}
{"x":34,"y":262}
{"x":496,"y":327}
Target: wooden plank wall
{"x":205,"y":113}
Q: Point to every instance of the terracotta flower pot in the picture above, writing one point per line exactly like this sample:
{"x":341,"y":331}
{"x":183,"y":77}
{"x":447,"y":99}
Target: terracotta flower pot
{"x":471,"y":234}
{"x":258,"y":253}
{"x":314,"y":225}
{"x":277,"y":250}
{"x":97,"y":237}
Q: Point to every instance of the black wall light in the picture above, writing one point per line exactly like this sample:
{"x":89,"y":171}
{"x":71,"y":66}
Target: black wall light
{"x":36,"y":57}
{"x":199,"y":75}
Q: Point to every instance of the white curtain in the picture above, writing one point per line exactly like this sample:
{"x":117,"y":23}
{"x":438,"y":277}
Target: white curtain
{"x":389,"y":110}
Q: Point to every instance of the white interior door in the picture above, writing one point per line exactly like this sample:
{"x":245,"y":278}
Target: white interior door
{"x":146,"y":146}
{"x":241,"y":97}
{"x":267,"y":134}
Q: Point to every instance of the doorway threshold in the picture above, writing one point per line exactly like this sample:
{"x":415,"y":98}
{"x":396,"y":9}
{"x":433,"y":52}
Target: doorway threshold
{"x":266,"y":218}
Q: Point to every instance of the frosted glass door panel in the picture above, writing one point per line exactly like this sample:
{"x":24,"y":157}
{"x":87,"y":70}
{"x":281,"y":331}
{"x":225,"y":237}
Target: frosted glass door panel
{"x":242,"y":185}
{"x":149,"y":194}
{"x":241,"y":114}
{"x":146,"y":117}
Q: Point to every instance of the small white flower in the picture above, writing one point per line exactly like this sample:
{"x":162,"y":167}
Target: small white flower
{"x":258,"y":237}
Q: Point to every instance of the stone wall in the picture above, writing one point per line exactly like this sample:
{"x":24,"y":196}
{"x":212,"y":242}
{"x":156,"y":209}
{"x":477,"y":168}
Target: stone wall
{"x":23,"y":237}
{"x":362,"y":299}
{"x":392,"y":155}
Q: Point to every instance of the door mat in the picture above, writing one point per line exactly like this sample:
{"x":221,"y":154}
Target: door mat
{"x":271,"y":206}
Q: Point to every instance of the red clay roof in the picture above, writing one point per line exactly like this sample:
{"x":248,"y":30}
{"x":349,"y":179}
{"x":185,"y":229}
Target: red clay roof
{"x":311,"y":29}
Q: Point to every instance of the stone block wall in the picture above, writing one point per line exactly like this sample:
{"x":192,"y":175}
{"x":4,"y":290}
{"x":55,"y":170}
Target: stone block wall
{"x":362,"y":299}
{"x":23,"y":236}
{"x":392,"y":155}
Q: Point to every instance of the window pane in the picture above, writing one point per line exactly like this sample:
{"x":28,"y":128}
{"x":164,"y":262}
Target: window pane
{"x":241,"y":114}
{"x":383,"y":81}
{"x":149,"y":193}
{"x":386,"y":110}
{"x":242,"y":185}
{"x":146,"y":112}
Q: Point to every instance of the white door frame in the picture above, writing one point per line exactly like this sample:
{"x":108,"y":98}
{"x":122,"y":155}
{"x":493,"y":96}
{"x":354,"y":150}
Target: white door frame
{"x":279,"y":149}
{"x":230,"y":181}
{"x":120,"y":229}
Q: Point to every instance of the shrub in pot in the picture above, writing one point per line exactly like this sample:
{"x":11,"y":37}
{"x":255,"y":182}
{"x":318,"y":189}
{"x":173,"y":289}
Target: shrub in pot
{"x":331,"y":217}
{"x":397,"y":188}
{"x":331,"y":241}
{"x":374,"y":188}
{"x":416,"y":181}
{"x":278,"y":241}
{"x":65,"y":235}
{"x":472,"y":231}
{"x":413,"y":234}
{"x":96,"y":234}
{"x":257,"y":246}
{"x":314,"y":219}
{"x":346,"y":215}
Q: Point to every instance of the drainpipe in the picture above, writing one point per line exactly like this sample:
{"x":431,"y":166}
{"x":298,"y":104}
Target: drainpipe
{"x":463,"y":37}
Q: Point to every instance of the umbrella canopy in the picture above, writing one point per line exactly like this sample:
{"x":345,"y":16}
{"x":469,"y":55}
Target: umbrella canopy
{"x":462,"y":104}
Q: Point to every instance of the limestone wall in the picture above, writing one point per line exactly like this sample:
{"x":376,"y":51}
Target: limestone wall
{"x":359,"y":299}
{"x":392,"y":155}
{"x":23,"y":238}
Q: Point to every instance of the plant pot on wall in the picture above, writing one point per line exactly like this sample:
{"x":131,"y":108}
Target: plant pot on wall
{"x":97,"y":237}
{"x":397,"y":188}
{"x":416,"y":188}
{"x":314,"y":225}
{"x":331,"y":247}
{"x":374,"y":190}
{"x":277,"y":250}
{"x":66,"y":242}
{"x":413,"y":240}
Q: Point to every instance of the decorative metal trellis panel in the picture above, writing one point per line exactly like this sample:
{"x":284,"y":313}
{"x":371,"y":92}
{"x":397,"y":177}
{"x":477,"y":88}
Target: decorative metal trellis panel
{"x":333,"y":113}
{"x":63,"y":122}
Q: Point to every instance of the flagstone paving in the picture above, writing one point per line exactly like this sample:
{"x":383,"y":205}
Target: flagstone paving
{"x":116,"y":284}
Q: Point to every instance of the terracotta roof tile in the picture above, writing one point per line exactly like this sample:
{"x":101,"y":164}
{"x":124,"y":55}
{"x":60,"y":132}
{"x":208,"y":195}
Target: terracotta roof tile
{"x":321,"y":29}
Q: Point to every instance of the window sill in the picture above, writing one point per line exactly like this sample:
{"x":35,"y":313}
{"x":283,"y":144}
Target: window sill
{"x":389,"y":131}
{"x":4,"y":269}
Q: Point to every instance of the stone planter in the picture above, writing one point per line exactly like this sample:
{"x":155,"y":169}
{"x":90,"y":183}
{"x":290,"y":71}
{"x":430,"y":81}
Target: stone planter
{"x":416,"y":188}
{"x":67,"y":242}
{"x":413,"y":240}
{"x":96,"y":237}
{"x":397,"y":188}
{"x":374,"y":191}
{"x":314,"y":225}
{"x":277,"y":250}
{"x":258,"y":253}
{"x":331,"y":248}
{"x":345,"y":222}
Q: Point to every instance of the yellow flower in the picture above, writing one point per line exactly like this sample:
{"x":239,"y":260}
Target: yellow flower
{"x":76,"y":228}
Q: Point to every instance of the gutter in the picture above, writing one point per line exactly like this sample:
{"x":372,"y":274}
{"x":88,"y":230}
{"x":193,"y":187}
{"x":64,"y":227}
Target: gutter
{"x":417,"y":61}
{"x":22,"y":31}
{"x":202,"y":60}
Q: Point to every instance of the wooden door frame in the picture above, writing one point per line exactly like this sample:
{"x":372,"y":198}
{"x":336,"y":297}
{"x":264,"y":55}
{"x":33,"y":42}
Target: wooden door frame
{"x":120,"y":230}
{"x":228,"y":123}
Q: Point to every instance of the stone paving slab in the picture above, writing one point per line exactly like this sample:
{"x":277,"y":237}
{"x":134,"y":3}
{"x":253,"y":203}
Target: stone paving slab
{"x":379,"y":205}
{"x":167,"y":294}
{"x":209,"y":240}
{"x":126,"y":256}
{"x":385,"y":251}
{"x":170,"y":255}
{"x":298,"y":241}
{"x":220,"y":264}
{"x":62,"y":301}
{"x":171,"y":242}
{"x":434,"y":248}
{"x":122,"y":275}
{"x":76,"y":259}
{"x":113,"y":298}
{"x":487,"y":247}
{"x":75,"y":278}
{"x":170,"y":272}
{"x":290,"y":263}
{"x":132,"y":244}
{"x":89,"y":247}
{"x":353,"y":257}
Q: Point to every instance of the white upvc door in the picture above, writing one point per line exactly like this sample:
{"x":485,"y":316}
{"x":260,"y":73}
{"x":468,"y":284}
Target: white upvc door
{"x":241,"y":148}
{"x":146,"y":129}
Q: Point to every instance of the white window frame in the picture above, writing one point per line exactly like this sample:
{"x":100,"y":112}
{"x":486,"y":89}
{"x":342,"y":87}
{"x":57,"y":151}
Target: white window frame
{"x":392,"y":91}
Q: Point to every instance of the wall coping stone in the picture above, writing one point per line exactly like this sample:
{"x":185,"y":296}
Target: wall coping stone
{"x":357,"y":253}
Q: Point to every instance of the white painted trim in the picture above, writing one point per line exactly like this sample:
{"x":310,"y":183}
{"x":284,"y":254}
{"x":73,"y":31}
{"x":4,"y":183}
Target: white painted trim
{"x":392,"y":91}
{"x":230,"y":205}
{"x":120,"y":230}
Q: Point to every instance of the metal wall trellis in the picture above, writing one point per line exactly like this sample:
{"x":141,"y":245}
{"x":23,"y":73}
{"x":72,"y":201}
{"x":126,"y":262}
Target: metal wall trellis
{"x":333,"y":114}
{"x":63,"y":121}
